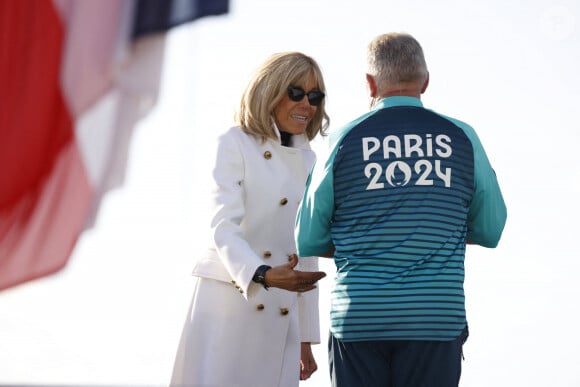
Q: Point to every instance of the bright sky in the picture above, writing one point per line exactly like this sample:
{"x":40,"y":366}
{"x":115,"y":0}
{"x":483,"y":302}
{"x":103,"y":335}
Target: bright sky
{"x":114,"y":315}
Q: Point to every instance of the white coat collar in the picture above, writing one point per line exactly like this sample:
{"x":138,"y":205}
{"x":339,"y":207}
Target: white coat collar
{"x":298,"y":140}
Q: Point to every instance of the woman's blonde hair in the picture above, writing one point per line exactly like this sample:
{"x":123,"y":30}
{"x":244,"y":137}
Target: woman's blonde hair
{"x":267,"y":88}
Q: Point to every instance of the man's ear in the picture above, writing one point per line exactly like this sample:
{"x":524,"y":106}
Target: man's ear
{"x":372,"y":85}
{"x":425,"y":84}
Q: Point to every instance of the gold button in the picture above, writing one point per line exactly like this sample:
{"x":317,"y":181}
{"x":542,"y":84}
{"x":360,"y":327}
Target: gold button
{"x":260,"y":307}
{"x":267,"y":155}
{"x":241,"y":291}
{"x":233,"y":282}
{"x":284,"y":201}
{"x":283,"y":311}
{"x":267,"y":254}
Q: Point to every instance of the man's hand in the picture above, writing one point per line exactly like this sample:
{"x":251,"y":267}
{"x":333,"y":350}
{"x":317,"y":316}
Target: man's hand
{"x":285,"y":277}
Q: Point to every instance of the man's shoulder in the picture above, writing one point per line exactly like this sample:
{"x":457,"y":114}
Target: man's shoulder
{"x":457,"y":122}
{"x":338,"y":134}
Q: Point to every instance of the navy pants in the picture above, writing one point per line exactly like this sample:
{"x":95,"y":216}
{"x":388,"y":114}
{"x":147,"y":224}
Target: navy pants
{"x":404,"y":363}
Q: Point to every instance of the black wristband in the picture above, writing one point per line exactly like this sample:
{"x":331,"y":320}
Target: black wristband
{"x":260,"y":275}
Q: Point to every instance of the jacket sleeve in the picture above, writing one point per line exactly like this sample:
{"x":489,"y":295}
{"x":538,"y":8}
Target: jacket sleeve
{"x":487,"y":212}
{"x":316,"y":211}
{"x":228,"y":212}
{"x":308,"y":306}
{"x":312,"y":231}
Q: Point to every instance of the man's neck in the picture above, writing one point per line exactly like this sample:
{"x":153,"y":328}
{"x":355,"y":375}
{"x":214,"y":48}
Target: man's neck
{"x":406,"y":89}
{"x":406,"y":92}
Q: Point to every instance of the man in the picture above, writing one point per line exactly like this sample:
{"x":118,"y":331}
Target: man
{"x":401,"y":193}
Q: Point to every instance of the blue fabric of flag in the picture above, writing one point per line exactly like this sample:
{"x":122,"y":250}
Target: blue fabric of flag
{"x":153,"y":16}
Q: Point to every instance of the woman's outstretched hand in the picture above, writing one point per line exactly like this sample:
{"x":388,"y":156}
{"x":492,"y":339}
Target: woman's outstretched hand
{"x":285,"y":277}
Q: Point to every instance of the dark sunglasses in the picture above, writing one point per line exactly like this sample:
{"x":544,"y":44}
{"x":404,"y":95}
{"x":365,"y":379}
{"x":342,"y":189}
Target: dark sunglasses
{"x":296,"y":94}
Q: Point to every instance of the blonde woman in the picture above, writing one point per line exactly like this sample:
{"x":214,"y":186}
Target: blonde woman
{"x":254,"y":311}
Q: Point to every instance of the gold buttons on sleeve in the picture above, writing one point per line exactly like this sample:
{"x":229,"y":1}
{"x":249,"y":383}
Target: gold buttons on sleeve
{"x":283,"y":311}
{"x":267,"y":155}
{"x":283,"y":201}
{"x":260,"y":307}
{"x":267,"y":254}
{"x":237,"y":286}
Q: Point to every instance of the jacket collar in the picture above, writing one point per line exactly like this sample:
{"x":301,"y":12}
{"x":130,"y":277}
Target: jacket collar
{"x":397,"y":101}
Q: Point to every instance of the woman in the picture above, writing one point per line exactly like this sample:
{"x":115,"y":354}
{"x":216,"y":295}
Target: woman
{"x":253,"y":317}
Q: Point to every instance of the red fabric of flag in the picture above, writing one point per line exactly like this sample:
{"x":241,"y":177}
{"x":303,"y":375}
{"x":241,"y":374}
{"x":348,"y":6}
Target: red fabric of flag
{"x":73,"y":84}
{"x":40,"y":216}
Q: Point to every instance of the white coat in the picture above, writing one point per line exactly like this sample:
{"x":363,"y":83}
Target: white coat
{"x":237,"y":333}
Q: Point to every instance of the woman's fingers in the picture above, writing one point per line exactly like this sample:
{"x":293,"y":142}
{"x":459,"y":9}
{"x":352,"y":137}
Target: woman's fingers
{"x":292,"y":260}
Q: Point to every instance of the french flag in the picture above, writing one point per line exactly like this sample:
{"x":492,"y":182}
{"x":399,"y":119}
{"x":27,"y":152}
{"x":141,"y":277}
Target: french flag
{"x":75,"y":78}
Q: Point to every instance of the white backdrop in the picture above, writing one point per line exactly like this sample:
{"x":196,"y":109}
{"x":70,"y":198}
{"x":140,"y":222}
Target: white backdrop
{"x":113,"y":316}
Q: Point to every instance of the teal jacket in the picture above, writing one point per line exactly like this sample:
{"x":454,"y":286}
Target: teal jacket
{"x":400,"y":193}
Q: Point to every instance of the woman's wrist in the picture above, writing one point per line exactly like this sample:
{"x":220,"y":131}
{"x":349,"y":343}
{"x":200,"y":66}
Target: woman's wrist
{"x":260,"y":275}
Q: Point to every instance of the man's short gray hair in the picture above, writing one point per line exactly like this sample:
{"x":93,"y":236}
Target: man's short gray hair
{"x":396,"y":57}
